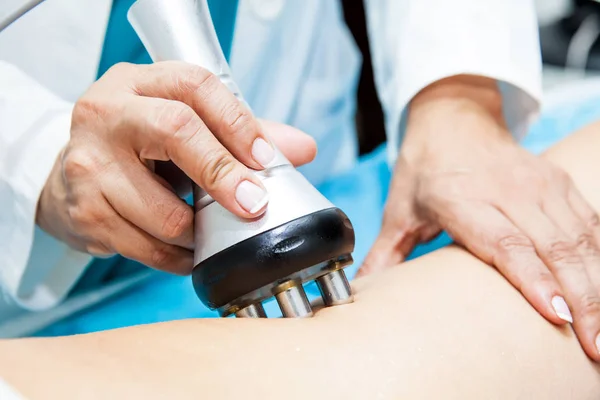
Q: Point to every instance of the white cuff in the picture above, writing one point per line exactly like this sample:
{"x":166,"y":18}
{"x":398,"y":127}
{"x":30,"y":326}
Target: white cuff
{"x":36,"y":273}
{"x":418,"y":42}
{"x":8,"y":393}
{"x":521,"y":103}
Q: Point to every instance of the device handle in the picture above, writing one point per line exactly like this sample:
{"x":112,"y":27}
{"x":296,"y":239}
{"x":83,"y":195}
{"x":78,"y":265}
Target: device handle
{"x":183,"y":30}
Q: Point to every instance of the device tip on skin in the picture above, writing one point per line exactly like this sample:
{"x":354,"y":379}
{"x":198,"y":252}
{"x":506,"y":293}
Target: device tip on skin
{"x":252,"y":311}
{"x":335,"y":289}
{"x":293,"y":302}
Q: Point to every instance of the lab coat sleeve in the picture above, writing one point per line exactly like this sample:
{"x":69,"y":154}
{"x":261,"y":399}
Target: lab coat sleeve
{"x":36,"y":271}
{"x":7,"y":393}
{"x":417,"y":42}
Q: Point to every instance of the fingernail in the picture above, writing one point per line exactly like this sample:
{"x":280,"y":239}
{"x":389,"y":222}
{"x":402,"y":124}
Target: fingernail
{"x":262,"y":152}
{"x":598,"y":342}
{"x":251,"y":197}
{"x":561,"y":309}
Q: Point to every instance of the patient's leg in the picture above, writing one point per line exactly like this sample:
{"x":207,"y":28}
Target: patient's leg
{"x":444,"y":326}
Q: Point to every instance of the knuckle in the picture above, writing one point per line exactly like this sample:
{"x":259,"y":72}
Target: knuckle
{"x":238,"y":119}
{"x":553,"y":173}
{"x":177,"y":222}
{"x":587,"y":244}
{"x":94,"y":107}
{"x":98,"y":249}
{"x":178,"y":121}
{"x":592,"y":221}
{"x":562,"y":252}
{"x":215,"y":168}
{"x":83,"y":217}
{"x":558,"y":180}
{"x":85,"y":108}
{"x":196,"y":78}
{"x":589,"y":305}
{"x":514,"y":242}
{"x":160,"y":257}
{"x":78,"y":164}
{"x":528,"y":282}
{"x":543,"y":279}
{"x":562,"y":175}
{"x":121,"y":68}
{"x":77,"y":216}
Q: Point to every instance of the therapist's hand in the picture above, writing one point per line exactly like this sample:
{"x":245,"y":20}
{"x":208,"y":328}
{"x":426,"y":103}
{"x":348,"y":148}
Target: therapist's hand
{"x":460,"y":171}
{"x":105,"y":194}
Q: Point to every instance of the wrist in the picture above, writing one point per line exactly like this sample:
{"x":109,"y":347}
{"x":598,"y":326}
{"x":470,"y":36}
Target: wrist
{"x":463,"y":90}
{"x":454,"y":111}
{"x":52,"y":193}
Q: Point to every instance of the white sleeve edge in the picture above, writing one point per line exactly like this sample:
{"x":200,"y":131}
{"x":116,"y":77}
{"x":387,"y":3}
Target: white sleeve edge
{"x":521,"y":102}
{"x":40,"y":276}
{"x":9,"y":393}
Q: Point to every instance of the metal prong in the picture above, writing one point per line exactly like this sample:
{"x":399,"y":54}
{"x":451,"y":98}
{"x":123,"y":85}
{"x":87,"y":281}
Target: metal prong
{"x":335,"y":289}
{"x":252,"y":311}
{"x":294,"y":303}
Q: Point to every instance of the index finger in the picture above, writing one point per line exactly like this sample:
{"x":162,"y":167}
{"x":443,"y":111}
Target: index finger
{"x":224,"y":114}
{"x":169,"y":130}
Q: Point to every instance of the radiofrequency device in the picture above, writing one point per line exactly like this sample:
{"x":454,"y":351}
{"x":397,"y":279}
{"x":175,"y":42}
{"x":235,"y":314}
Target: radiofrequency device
{"x":302,"y":237}
{"x":239,"y":263}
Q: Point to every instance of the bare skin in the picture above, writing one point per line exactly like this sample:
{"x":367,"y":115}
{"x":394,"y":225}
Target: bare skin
{"x":445,"y":326}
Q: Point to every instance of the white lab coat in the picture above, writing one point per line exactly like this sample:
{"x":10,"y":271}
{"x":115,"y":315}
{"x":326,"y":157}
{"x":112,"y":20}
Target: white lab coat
{"x":295,"y":62}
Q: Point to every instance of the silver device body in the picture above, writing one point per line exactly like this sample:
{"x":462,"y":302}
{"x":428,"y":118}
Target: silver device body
{"x":183,"y":30}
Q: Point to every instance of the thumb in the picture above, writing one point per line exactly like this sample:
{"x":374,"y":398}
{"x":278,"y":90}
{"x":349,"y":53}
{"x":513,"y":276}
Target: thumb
{"x":297,"y":146}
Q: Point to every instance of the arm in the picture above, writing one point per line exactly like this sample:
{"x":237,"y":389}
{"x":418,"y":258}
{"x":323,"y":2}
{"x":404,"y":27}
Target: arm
{"x":416,"y":43}
{"x":442,"y":326}
{"x":461,"y":171}
{"x":36,"y":270}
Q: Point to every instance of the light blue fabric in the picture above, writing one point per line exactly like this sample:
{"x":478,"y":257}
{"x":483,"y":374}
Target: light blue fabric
{"x":361,"y":193}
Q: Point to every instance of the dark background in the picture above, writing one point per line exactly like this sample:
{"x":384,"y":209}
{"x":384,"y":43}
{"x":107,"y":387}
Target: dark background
{"x":369,"y":116}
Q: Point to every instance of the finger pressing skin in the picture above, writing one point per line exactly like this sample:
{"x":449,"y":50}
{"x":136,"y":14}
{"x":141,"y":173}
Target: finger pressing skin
{"x":590,"y":220}
{"x":500,"y":243}
{"x":170,"y":130}
{"x":390,"y":248}
{"x":229,"y":119}
{"x":384,"y":253}
{"x":561,"y":254}
{"x":124,"y":238}
{"x":138,"y":196}
{"x":581,"y":235}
